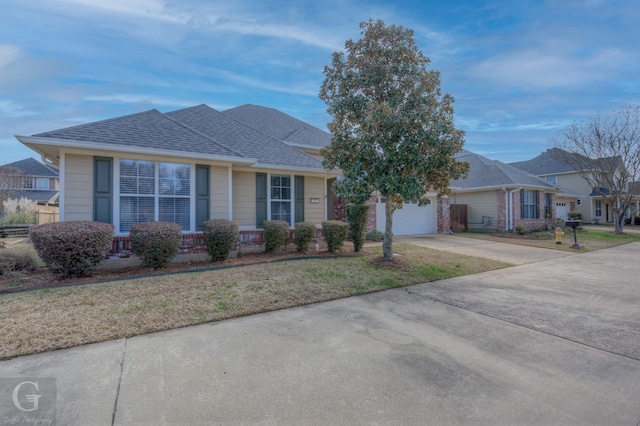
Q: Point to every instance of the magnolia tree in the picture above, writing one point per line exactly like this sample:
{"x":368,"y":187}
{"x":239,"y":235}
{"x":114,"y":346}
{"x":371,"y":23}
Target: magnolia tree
{"x":605,"y":150}
{"x":392,"y":129}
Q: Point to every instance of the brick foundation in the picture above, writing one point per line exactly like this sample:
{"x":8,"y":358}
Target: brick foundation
{"x":193,"y":243}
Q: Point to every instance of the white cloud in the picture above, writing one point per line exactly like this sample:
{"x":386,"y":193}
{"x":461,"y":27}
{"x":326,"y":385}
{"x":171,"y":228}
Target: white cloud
{"x":553,"y":65}
{"x":136,"y":99}
{"x":154,"y":9}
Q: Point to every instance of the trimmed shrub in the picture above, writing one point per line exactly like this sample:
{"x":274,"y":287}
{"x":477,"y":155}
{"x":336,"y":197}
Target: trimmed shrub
{"x":72,"y":249}
{"x":374,"y":235}
{"x":156,"y":243}
{"x":12,"y":261}
{"x":357,"y":217}
{"x":275,"y":234}
{"x":304,"y":234}
{"x":574,"y":214}
{"x":335,"y":232}
{"x":219,"y":237}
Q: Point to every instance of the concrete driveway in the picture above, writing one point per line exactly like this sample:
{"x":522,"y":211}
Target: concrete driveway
{"x":505,"y":252}
{"x":552,"y":342}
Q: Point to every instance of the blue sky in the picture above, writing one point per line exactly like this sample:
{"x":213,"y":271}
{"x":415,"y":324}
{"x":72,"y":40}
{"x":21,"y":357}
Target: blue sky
{"x":519,"y":70}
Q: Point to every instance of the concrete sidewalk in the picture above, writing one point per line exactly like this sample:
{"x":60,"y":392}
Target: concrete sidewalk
{"x":552,"y":342}
{"x":505,"y":252}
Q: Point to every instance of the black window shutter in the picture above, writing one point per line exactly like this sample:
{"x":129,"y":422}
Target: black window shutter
{"x":522,"y":214}
{"x":299,"y":182}
{"x":202,"y":195}
{"x":103,"y":189}
{"x":261,"y":199}
{"x":536,"y":200}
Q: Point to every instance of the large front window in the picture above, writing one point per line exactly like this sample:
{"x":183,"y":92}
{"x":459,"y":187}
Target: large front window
{"x":529,"y":204}
{"x":154,"y":191}
{"x":281,"y":198}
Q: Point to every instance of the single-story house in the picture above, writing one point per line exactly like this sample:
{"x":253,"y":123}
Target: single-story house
{"x":498,"y":196}
{"x":184,"y":166}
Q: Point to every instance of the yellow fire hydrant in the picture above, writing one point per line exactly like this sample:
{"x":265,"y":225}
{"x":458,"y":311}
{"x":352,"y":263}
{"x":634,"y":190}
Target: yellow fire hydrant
{"x":559,"y":235}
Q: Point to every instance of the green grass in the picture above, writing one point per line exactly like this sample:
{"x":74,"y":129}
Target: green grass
{"x":92,"y":313}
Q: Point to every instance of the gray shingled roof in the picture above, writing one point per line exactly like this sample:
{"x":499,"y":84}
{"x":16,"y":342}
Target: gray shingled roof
{"x":35,"y":195}
{"x":484,"y":172}
{"x":548,"y":163}
{"x":243,"y":139}
{"x":32,"y":167}
{"x":280,"y":126}
{"x":150,"y":129}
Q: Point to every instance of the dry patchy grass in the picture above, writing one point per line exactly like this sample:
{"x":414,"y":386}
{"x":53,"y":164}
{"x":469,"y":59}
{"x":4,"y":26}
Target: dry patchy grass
{"x":54,"y":318}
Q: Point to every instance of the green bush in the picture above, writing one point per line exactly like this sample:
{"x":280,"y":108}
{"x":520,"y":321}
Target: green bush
{"x":335,"y":232}
{"x":275,"y":234}
{"x":574,"y":214}
{"x":357,"y":217}
{"x":19,"y":218}
{"x":521,"y":230}
{"x":219,"y":237}
{"x":374,"y":235}
{"x":17,"y":260}
{"x":72,"y":249}
{"x":305,"y":232}
{"x":156,"y":243}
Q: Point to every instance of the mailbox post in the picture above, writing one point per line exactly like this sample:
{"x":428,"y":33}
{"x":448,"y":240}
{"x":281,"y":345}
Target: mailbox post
{"x":574,"y":224}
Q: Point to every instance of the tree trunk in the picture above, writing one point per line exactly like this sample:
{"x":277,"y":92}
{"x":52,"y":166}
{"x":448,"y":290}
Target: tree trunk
{"x":388,"y":230}
{"x":619,"y":223}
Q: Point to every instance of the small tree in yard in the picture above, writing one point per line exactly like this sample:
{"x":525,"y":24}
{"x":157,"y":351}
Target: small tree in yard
{"x":392,"y":130}
{"x":605,"y":151}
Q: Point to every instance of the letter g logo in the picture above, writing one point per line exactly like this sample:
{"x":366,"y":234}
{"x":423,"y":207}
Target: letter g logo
{"x":33,"y":399}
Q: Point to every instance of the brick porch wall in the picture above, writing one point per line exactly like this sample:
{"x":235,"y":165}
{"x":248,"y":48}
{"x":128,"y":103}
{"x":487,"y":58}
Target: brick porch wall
{"x":193,"y":243}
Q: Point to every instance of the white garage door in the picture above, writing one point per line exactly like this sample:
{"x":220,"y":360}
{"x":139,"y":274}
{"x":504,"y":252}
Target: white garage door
{"x":411,"y":219}
{"x":562,"y":209}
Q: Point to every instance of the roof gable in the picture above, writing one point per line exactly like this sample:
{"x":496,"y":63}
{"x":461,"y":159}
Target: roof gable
{"x":280,"y":126}
{"x":242,"y":138}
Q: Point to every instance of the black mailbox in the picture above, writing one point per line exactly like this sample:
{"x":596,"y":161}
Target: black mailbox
{"x":573,"y":223}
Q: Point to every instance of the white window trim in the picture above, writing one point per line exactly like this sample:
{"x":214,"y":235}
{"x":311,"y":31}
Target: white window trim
{"x":156,"y":196}
{"x":291,"y":195}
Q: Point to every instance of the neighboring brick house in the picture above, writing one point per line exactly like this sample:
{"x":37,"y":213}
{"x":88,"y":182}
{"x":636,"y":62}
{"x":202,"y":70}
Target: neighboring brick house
{"x":550,"y":166}
{"x":501,"y":197}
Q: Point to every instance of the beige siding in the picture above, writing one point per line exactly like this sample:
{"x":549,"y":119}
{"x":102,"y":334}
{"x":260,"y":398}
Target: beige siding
{"x":314,"y":188}
{"x":78,"y":191}
{"x":244,"y":198}
{"x":478,"y":204}
{"x":577,"y":184}
{"x":219,"y":192}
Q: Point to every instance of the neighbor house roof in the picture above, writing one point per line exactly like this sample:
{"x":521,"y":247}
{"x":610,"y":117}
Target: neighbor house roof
{"x":31,"y":167}
{"x":242,"y":138}
{"x":35,"y":195}
{"x":280,"y":126}
{"x":552,"y":162}
{"x":486,"y":173}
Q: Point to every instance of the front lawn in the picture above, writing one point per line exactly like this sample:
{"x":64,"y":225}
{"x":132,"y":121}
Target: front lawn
{"x":53,"y":318}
